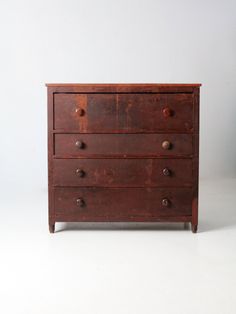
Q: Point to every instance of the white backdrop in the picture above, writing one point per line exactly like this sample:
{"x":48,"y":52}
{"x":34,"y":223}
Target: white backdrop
{"x":106,"y":41}
{"x":91,"y":269}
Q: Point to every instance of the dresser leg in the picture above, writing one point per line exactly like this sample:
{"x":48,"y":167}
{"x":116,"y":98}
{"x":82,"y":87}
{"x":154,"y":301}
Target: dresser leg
{"x":194,"y":228}
{"x":51,"y":228}
{"x":194,"y":214}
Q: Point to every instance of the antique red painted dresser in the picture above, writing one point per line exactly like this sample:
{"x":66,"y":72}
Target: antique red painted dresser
{"x":123,"y":153}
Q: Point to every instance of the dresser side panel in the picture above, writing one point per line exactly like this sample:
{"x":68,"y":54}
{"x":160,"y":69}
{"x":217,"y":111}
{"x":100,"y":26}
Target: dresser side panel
{"x":51,"y":216}
{"x":196,"y":157}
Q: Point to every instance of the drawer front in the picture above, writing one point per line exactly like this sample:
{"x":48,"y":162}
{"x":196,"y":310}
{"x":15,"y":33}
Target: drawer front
{"x":122,"y":145}
{"x":108,"y":113}
{"x":117,"y":204}
{"x":122,"y":172}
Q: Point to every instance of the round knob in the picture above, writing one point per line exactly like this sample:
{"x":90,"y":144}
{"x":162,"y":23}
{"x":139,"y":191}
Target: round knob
{"x":166,"y":172}
{"x":80,"y":111}
{"x":166,"y":145}
{"x":80,"y":202}
{"x":79,"y":144}
{"x":165,"y":202}
{"x":80,"y":173}
{"x":167,"y":112}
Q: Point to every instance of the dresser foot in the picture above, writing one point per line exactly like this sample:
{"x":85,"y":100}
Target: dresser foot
{"x":194,"y":228}
{"x":52,"y":228}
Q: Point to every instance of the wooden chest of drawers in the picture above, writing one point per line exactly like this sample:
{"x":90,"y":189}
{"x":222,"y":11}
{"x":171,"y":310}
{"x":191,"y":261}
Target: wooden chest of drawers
{"x":123,"y":152}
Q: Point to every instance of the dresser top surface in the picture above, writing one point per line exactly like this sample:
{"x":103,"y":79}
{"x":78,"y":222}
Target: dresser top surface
{"x":121,"y":88}
{"x":123,"y":85}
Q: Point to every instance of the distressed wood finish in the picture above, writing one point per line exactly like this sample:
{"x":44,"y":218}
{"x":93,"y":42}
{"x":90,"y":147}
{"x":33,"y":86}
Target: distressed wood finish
{"x":122,"y":145}
{"x":122,"y":172}
{"x":122,"y":88}
{"x":102,"y":204}
{"x":123,"y":152}
{"x":115,"y":113}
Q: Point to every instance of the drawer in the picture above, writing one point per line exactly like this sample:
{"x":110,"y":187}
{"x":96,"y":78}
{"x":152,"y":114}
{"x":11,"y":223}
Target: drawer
{"x":122,"y":172}
{"x":122,"y":145}
{"x":117,"y":204}
{"x":117,"y":113}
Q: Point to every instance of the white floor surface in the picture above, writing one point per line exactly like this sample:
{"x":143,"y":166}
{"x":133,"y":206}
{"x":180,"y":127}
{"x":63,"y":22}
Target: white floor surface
{"x":101,"y":269}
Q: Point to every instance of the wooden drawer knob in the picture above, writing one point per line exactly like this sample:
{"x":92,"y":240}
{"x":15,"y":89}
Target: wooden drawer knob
{"x":165,"y":202}
{"x":166,"y":172}
{"x":79,"y":144}
{"x":80,"y":173}
{"x":166,"y":145}
{"x":167,"y":112}
{"x":80,"y":111}
{"x":80,"y":202}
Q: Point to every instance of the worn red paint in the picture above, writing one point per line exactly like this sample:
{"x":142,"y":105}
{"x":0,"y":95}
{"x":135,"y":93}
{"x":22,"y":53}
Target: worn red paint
{"x":136,"y":145}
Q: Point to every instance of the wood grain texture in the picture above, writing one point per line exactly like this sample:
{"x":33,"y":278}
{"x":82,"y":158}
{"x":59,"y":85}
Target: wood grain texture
{"x":122,"y":145}
{"x":123,"y":172}
{"x":123,"y":152}
{"x":112,"y":204}
{"x":122,"y":88}
{"x":115,"y":113}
